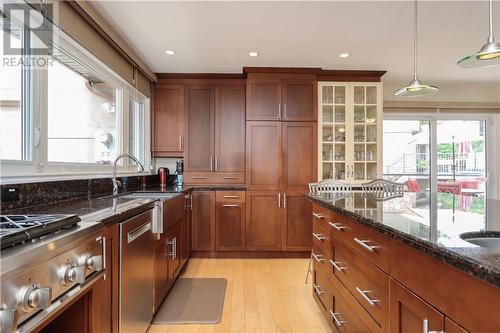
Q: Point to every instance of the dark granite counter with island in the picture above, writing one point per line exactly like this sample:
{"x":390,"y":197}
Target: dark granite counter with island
{"x":434,"y":224}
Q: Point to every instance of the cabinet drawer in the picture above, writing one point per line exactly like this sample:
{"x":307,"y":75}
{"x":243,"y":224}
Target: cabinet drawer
{"x":343,"y":315}
{"x":368,"y":284}
{"x":230,"y":196}
{"x":321,"y":288}
{"x":214,"y":178}
{"x":371,"y":244}
{"x":320,"y":260}
{"x":321,"y":239}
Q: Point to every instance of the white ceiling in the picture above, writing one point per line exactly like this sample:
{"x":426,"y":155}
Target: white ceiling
{"x":217,"y":36}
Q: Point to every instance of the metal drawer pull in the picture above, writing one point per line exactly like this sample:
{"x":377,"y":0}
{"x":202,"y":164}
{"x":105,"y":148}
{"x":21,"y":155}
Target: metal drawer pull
{"x":231,"y":196}
{"x":338,"y":322}
{"x":363,"y":293}
{"x":229,"y":205}
{"x":337,"y":226}
{"x":198,"y":177}
{"x":279,"y":200}
{"x":138,"y":232}
{"x":364,"y":244}
{"x":318,"y":216}
{"x":318,"y":290}
{"x":228,"y":177}
{"x":317,"y":257}
{"x":337,"y":265}
{"x":319,"y":237}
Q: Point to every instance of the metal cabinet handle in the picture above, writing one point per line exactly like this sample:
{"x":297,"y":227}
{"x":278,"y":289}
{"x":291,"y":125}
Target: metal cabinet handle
{"x":279,"y":200}
{"x":284,"y":200}
{"x":338,"y":322}
{"x":211,"y":163}
{"x":229,"y":205}
{"x":284,"y":111}
{"x":104,"y":257}
{"x":425,"y":326}
{"x":364,"y":244}
{"x":216,"y":163}
{"x":173,"y":243}
{"x":337,"y":265}
{"x":319,"y":237}
{"x":318,"y":258}
{"x":364,"y":293}
{"x":318,"y":216}
{"x":180,"y":142}
{"x":228,"y":177}
{"x":198,"y":177}
{"x":138,"y":232}
{"x":337,"y":226}
{"x":318,"y":290}
{"x":279,"y":111}
{"x":231,"y":196}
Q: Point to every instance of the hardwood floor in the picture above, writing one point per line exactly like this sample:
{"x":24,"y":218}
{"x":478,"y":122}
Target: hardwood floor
{"x":262,"y":295}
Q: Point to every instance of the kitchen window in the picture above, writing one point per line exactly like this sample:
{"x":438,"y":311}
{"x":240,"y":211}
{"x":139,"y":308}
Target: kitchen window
{"x":82,"y":116}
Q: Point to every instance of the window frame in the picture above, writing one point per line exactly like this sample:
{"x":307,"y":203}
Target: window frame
{"x":39,"y":168}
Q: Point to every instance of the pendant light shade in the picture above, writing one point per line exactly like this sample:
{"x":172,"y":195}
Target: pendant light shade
{"x":489,"y":54}
{"x":416,"y":87}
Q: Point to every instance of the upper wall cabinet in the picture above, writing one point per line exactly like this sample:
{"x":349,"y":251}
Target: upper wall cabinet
{"x":291,"y":99}
{"x":168,"y":121}
{"x":215,"y":133}
{"x":350,"y":131}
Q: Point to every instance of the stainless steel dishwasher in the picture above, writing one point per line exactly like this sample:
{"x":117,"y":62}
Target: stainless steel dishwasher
{"x":136,"y":273}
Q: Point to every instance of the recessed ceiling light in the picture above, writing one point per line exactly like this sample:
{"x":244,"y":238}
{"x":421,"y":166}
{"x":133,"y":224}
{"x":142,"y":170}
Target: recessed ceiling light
{"x":344,"y":55}
{"x":253,"y":54}
{"x":170,"y":52}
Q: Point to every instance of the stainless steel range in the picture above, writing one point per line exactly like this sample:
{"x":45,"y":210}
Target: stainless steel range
{"x":46,"y":261}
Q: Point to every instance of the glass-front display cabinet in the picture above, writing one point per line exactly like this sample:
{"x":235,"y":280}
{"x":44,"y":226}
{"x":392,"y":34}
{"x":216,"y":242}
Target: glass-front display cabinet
{"x":350,"y":131}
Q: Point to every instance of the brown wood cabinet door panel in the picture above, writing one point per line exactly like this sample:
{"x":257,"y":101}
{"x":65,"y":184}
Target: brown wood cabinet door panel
{"x":160,"y":270}
{"x":322,"y":289}
{"x":199,"y":129}
{"x":168,"y":121}
{"x":263,"y":99}
{"x":299,"y":155}
{"x":203,"y":221}
{"x":297,"y":227}
{"x":230,"y":227}
{"x":408,"y":312}
{"x":299,"y":100}
{"x":174,"y":240}
{"x":263,"y":155}
{"x":230,"y":128}
{"x":451,"y":327}
{"x":263,"y":221}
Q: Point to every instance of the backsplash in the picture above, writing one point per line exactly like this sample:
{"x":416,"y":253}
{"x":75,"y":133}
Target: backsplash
{"x":16,"y":196}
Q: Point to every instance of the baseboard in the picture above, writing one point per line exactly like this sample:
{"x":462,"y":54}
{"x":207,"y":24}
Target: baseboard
{"x":250,"y":254}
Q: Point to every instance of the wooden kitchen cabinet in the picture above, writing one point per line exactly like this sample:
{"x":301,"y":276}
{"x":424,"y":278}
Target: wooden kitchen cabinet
{"x":200,"y":113}
{"x":174,"y":243}
{"x":161,"y":276}
{"x":408,"y":312}
{"x":168,"y":121}
{"x":263,"y":221}
{"x":230,"y":226}
{"x":263,"y":157}
{"x":299,"y":155}
{"x":297,"y":226}
{"x":105,"y":291}
{"x":203,"y":221}
{"x":299,"y":100}
{"x":281,"y":98}
{"x":263,"y":99}
{"x":229,"y":128}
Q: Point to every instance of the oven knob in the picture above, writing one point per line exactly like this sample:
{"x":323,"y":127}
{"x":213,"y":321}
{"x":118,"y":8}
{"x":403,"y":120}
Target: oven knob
{"x":70,"y":273}
{"x":91,"y":262}
{"x":33,"y":297}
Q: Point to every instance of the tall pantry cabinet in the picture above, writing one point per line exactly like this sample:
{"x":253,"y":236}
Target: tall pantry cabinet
{"x":281,"y":159}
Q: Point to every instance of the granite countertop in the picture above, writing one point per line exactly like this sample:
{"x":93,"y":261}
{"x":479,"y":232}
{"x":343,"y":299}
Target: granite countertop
{"x":431,"y":223}
{"x":108,"y":209}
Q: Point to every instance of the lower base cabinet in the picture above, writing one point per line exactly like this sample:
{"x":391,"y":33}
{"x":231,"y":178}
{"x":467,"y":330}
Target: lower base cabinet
{"x":203,"y":223}
{"x":230,"y":226}
{"x":263,"y":221}
{"x":296,"y":219}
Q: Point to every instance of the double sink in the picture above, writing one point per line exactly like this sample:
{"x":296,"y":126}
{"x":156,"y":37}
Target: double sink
{"x":489,"y":240}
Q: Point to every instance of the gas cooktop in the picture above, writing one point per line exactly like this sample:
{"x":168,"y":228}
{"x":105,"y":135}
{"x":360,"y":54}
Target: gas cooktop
{"x":16,"y":229}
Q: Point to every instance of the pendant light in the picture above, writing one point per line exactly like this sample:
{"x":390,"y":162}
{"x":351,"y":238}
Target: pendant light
{"x":416,"y":87}
{"x":488,"y":55}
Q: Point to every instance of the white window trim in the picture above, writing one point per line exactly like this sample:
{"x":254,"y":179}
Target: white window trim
{"x":39,"y":169}
{"x":492,"y":147}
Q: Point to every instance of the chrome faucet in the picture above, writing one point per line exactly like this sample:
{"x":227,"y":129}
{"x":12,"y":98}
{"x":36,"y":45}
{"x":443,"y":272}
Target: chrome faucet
{"x":117,"y":183}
